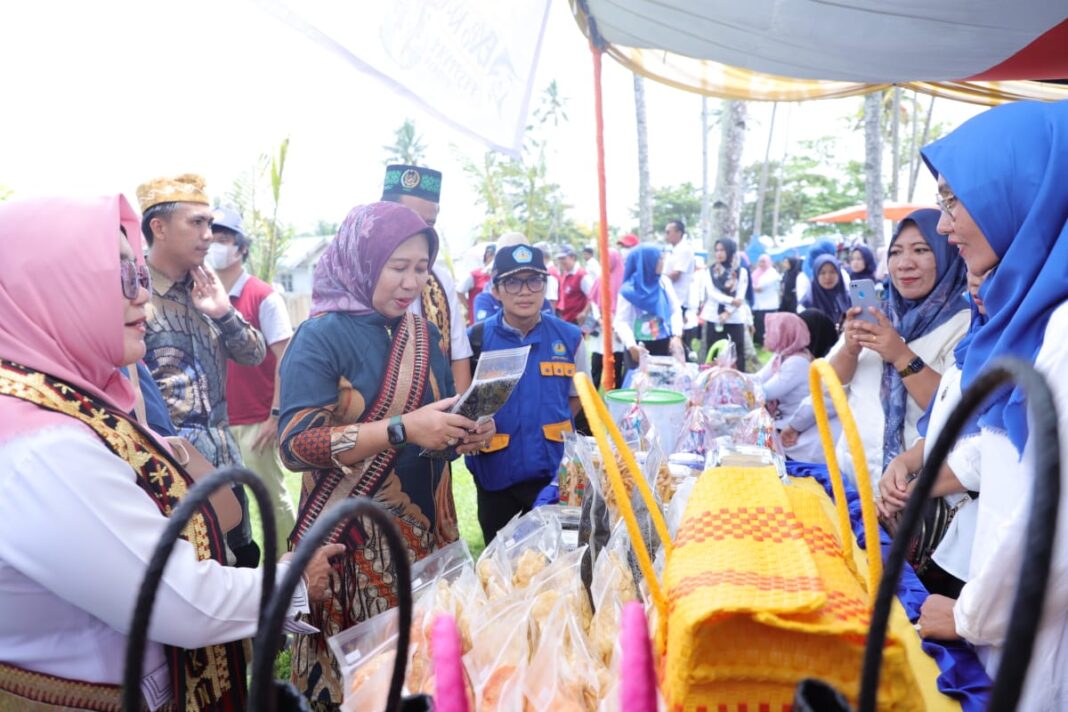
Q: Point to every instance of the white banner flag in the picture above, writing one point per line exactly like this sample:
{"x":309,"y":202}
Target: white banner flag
{"x":471,"y":63}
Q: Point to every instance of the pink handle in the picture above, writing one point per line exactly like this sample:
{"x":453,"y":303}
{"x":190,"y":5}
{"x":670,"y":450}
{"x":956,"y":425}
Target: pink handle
{"x":450,"y":692}
{"x":638,"y":691}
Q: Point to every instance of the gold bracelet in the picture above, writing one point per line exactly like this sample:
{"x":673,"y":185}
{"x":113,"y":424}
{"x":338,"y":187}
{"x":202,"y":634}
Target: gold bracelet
{"x":342,"y":440}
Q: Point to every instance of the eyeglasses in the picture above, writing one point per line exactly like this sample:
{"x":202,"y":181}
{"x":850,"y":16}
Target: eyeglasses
{"x":514,"y":285}
{"x":134,"y":276}
{"x":946,"y":203}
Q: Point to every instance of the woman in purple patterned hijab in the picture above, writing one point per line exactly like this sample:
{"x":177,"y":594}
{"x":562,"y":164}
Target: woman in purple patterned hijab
{"x":348,"y":271}
{"x":365,"y":386}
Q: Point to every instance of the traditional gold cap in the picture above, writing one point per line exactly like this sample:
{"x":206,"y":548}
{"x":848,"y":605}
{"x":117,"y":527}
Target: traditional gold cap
{"x":186,"y":188}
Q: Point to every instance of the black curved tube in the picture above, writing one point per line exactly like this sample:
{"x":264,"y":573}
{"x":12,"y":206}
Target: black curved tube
{"x":198,"y":494}
{"x":1041,"y":529}
{"x":269,"y":636}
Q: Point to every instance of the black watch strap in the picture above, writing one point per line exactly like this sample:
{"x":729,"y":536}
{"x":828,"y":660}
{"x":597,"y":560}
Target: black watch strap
{"x":398,"y":438}
{"x":915,"y":366}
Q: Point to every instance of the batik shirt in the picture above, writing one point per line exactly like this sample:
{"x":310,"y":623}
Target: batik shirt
{"x":187,"y":354}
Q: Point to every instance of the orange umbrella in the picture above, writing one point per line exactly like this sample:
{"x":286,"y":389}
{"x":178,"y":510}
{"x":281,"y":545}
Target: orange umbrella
{"x":891,"y":211}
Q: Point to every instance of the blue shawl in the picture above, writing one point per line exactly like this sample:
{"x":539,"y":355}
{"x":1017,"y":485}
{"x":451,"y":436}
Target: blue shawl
{"x":641,"y":284}
{"x":915,"y":318}
{"x":1009,"y":168}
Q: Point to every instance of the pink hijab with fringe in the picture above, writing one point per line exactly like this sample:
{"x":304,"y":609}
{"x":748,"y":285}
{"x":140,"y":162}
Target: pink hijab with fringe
{"x":61,"y":301}
{"x":615,"y":279}
{"x":785,"y":334}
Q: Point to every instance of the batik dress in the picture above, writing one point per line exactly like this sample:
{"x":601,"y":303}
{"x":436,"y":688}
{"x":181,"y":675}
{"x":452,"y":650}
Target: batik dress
{"x":341,"y":369}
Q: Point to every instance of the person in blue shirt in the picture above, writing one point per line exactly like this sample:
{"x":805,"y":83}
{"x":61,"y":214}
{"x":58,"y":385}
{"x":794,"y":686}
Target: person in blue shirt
{"x":522,"y":458}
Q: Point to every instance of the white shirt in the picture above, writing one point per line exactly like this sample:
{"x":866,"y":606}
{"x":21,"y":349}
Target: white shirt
{"x":76,"y":534}
{"x":790,"y":388}
{"x":936,"y":350}
{"x":681,"y":259}
{"x":766,"y":290}
{"x":275,"y":324}
{"x":552,"y":288}
{"x":954,"y":552}
{"x":983,"y":610}
{"x":626,"y":314}
{"x":711,"y":298}
{"x":461,"y":346}
{"x":802,"y":287}
{"x":593,"y":267}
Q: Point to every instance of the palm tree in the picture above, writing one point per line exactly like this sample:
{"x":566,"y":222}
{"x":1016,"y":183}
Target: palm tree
{"x":407,"y":146}
{"x":645,"y":193}
{"x":873,"y":167}
{"x":727,"y":203}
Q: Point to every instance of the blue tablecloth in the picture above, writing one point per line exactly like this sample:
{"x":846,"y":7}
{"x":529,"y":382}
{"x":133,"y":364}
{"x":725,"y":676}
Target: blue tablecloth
{"x":963,"y":677}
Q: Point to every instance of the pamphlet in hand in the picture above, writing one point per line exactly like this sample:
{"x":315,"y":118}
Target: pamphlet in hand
{"x":496,"y":377}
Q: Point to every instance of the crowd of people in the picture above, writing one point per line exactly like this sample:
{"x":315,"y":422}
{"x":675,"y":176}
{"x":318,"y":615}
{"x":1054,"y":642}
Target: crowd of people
{"x":115,"y":398}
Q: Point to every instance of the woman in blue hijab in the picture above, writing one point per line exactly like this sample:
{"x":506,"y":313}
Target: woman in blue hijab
{"x":1003,"y":190}
{"x":828,"y":290}
{"x":823,"y":247}
{"x":862,"y":263}
{"x":897,"y":357}
{"x":647,"y":310}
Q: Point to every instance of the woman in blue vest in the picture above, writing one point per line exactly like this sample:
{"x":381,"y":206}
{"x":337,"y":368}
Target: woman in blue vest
{"x":523,"y":456}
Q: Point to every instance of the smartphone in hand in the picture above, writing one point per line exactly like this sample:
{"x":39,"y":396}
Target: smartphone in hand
{"x":862,"y":294}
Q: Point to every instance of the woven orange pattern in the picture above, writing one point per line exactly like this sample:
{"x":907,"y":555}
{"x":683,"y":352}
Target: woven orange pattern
{"x":761,"y":596}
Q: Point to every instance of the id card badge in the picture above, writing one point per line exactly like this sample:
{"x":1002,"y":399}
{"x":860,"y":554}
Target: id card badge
{"x":649,"y":327}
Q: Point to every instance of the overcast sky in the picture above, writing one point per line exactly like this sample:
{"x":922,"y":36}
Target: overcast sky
{"x":101,"y":96}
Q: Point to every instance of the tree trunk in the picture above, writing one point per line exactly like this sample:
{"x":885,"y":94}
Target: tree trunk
{"x":758,"y":219}
{"x":873,"y":169}
{"x":778,"y":177}
{"x":645,"y":192}
{"x":727,"y":207}
{"x":706,"y":217}
{"x":926,"y":132}
{"x":895,"y":139}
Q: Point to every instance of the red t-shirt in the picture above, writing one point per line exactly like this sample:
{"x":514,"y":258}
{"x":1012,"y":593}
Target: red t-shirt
{"x":250,"y":389}
{"x":480,"y":279}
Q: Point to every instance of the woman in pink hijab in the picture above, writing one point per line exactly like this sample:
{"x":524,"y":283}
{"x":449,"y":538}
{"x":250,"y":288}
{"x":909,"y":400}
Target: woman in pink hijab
{"x":615,"y":280}
{"x":785,"y":379}
{"x":85,"y":490}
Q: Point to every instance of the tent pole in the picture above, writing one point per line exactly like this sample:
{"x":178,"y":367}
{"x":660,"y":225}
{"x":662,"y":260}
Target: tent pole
{"x":608,"y":377}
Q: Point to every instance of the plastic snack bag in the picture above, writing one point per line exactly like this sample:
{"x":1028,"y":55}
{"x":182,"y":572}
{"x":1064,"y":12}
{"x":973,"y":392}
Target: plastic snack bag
{"x":572,"y":474}
{"x":499,"y":656}
{"x":365,"y":654}
{"x":613,"y":585}
{"x":563,"y":675}
{"x":495,"y":379}
{"x":757,"y":428}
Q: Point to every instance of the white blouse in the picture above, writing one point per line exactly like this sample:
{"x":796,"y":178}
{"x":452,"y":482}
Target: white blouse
{"x":865,"y":399}
{"x":766,"y":290}
{"x":954,"y":552}
{"x":76,"y":535}
{"x":626,"y":314}
{"x":790,"y":388}
{"x":983,"y":610}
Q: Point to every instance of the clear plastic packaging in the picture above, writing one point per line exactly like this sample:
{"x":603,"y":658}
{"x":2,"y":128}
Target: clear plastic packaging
{"x":731,"y":454}
{"x":496,"y":376}
{"x":572,"y":474}
{"x":365,"y":654}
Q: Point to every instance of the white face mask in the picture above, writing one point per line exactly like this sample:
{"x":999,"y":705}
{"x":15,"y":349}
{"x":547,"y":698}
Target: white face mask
{"x":221,"y":256}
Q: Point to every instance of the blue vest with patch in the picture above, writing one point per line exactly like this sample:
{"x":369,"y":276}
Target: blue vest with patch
{"x":529,"y":443}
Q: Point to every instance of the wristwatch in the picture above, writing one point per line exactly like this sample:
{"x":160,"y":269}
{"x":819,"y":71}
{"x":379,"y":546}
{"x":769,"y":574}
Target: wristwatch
{"x":915,"y":366}
{"x":275,"y":412}
{"x":398,"y":438}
